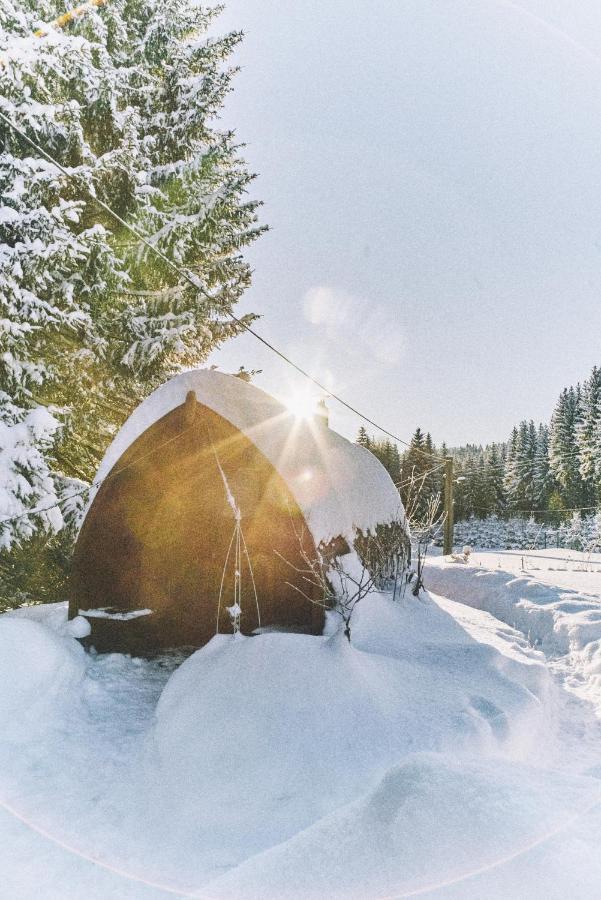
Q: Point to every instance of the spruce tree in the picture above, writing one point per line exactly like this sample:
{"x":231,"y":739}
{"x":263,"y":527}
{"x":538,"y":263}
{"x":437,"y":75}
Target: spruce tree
{"x":52,"y":260}
{"x":413,"y":466}
{"x":387,"y":452}
{"x":432,"y":482}
{"x":543,"y":480}
{"x":522,"y":494}
{"x":363,"y":438}
{"x":563,"y":459}
{"x":526,"y":466}
{"x":574,"y":532}
{"x":495,"y":471}
{"x":587,"y":435}
{"x":395,"y":463}
{"x":126,"y":98}
{"x":512,"y":473}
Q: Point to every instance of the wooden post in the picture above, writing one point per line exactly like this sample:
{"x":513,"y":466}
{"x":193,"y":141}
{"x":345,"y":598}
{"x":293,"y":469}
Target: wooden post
{"x":448,"y":506}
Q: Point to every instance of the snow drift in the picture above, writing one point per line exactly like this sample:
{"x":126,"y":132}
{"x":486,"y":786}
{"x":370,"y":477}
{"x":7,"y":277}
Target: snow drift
{"x":564,"y":622}
{"x":40,"y":673}
{"x":256,"y":739}
{"x":430,"y":822}
{"x":292,"y":766}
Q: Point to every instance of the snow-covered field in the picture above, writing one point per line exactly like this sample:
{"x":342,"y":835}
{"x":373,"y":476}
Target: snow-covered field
{"x":552,"y":596}
{"x":439,"y":755}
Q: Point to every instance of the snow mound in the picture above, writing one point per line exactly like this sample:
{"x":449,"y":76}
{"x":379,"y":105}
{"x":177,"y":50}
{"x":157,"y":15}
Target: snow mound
{"x":79,"y":627}
{"x":258,"y":738}
{"x":285,"y":765}
{"x":52,"y":615}
{"x":430,"y":822}
{"x":40,"y":673}
{"x":55,"y":617}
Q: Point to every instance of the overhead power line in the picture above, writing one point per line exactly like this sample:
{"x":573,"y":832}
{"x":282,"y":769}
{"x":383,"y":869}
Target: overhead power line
{"x":195,"y":282}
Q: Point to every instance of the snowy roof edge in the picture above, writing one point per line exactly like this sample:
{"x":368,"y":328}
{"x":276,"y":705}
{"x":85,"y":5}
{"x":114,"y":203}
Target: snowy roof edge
{"x":340,"y":486}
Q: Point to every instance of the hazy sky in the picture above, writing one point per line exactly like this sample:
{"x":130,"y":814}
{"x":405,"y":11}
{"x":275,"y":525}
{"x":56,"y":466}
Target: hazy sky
{"x":431,"y":172}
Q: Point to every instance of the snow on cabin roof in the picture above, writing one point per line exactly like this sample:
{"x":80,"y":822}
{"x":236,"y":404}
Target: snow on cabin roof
{"x":340,"y":487}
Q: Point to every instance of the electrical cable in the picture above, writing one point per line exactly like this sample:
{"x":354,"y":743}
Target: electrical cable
{"x":196,"y":283}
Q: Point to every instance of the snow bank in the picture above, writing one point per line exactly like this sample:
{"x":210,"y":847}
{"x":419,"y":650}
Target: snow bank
{"x":430,"y":822}
{"x":288,"y":765}
{"x":55,"y":617}
{"x":562,"y":622}
{"x":339,"y":486}
{"x":40,"y":673}
{"x":259,"y":738}
{"x":52,"y":615}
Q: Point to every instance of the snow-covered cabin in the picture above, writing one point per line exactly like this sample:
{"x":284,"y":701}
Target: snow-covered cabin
{"x":151,"y":567}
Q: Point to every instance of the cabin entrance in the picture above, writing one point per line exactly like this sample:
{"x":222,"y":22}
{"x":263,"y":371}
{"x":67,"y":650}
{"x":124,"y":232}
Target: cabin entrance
{"x":157,"y":536}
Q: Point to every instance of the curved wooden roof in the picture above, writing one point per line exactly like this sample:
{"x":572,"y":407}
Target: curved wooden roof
{"x":340,"y":487}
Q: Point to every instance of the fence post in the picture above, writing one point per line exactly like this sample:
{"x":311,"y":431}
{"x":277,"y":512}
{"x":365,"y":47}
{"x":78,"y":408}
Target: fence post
{"x":448,"y":506}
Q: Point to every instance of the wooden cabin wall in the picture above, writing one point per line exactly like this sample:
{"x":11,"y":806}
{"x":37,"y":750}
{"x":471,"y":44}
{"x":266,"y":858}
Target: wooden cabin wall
{"x":158,"y":532}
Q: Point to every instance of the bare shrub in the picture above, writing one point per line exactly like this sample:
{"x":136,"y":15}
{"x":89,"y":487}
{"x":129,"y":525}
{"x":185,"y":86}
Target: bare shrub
{"x":337,"y":578}
{"x":426,"y":519}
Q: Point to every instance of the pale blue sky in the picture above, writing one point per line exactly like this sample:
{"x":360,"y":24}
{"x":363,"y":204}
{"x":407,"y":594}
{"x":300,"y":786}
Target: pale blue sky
{"x":431,"y":171}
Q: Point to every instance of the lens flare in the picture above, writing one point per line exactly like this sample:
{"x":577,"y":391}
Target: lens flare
{"x":302,"y":404}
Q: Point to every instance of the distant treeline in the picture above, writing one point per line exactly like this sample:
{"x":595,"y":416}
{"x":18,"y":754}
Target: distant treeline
{"x":547,"y":470}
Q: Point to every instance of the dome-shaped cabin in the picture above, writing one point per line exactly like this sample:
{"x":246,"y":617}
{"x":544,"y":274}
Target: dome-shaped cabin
{"x":156,"y":557}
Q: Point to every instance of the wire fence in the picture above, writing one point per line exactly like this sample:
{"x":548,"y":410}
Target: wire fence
{"x":523,"y":533}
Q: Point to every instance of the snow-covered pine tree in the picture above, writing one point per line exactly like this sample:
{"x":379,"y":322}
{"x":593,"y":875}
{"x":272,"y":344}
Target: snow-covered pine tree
{"x":520,"y":487}
{"x":563,"y":458}
{"x":50,"y":261}
{"x":494,"y":532}
{"x":512,"y":475}
{"x":480,"y":486}
{"x":126,"y":98}
{"x":532,"y":534}
{"x":495,"y":472}
{"x":587,"y":435}
{"x":432,"y":481}
{"x":543,"y":480}
{"x":413,"y":467}
{"x":594,"y":537}
{"x":574,"y":532}
{"x":484,"y":495}
{"x":465,"y":460}
{"x":414,"y":461}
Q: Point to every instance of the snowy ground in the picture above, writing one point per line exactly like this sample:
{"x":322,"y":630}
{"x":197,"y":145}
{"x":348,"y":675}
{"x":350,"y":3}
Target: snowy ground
{"x":443,"y":754}
{"x":552,"y":596}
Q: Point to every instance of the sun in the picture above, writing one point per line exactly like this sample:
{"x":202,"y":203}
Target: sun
{"x":302,"y":404}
